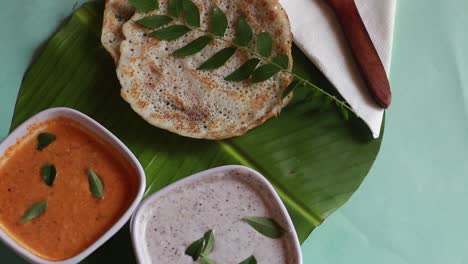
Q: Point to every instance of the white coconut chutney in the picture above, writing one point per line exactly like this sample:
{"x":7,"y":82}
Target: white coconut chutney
{"x":216,"y":202}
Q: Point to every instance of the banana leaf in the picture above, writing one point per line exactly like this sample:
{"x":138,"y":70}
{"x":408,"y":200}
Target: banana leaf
{"x":313,"y":157}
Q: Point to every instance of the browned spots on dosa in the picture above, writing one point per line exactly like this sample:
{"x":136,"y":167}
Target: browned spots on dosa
{"x":207,"y":81}
{"x":208,"y":84}
{"x":142,"y":104}
{"x":155,"y":69}
{"x":178,"y":102}
{"x":243,"y":55}
{"x":178,"y":120}
{"x":135,"y":90}
{"x":259,"y":101}
{"x":128,"y":71}
{"x":152,"y":43}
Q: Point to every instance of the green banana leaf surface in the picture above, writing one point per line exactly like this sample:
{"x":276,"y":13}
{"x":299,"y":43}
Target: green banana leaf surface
{"x":313,"y":157}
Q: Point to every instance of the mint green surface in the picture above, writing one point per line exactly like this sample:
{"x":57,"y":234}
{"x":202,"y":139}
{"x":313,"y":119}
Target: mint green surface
{"x":412,"y":208}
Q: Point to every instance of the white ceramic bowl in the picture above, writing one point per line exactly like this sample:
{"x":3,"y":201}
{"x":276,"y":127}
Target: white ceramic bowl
{"x":104,"y":134}
{"x":137,"y":236}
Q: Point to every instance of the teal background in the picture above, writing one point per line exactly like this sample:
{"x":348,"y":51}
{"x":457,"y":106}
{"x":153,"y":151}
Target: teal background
{"x":413,"y":206}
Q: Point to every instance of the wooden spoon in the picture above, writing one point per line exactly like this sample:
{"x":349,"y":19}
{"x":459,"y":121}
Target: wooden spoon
{"x":364,"y":52}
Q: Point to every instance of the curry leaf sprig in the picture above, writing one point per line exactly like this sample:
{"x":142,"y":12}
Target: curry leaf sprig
{"x":260,"y":67}
{"x":219,"y":24}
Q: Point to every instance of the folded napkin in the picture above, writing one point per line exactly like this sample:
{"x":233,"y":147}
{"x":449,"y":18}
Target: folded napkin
{"x":318,"y":34}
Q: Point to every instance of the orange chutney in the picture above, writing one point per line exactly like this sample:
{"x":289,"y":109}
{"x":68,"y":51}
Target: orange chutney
{"x":73,"y":219}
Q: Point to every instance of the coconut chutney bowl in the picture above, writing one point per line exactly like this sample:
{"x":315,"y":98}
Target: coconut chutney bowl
{"x":232,"y":213}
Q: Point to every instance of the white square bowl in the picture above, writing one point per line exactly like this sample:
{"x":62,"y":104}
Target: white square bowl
{"x":105,"y":135}
{"x":138,"y":236}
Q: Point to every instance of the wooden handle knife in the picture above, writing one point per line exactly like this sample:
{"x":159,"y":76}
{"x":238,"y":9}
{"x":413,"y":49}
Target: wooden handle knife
{"x":364,"y":52}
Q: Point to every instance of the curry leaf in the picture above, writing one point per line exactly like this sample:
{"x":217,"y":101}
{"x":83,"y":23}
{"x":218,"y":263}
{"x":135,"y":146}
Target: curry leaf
{"x":209,"y":242}
{"x":264,"y":44}
{"x":282,"y":61}
{"x":244,"y":33}
{"x":95,"y":184}
{"x":193,"y":47}
{"x":170,"y":33}
{"x":144,"y":5}
{"x":292,"y":86}
{"x":264,"y":72}
{"x":175,"y":7}
{"x":49,"y":172}
{"x":201,"y":247}
{"x":344,"y":112}
{"x":265,"y":226}
{"x":191,"y":13}
{"x":34,"y":211}
{"x":218,"y":59}
{"x":44,"y":140}
{"x":195,"y":249}
{"x":155,"y":21}
{"x":219,"y":22}
{"x":249,"y":260}
{"x":244,"y":71}
{"x":206,"y":260}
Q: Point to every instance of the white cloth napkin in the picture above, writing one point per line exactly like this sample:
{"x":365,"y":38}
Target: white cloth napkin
{"x":318,"y":34}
